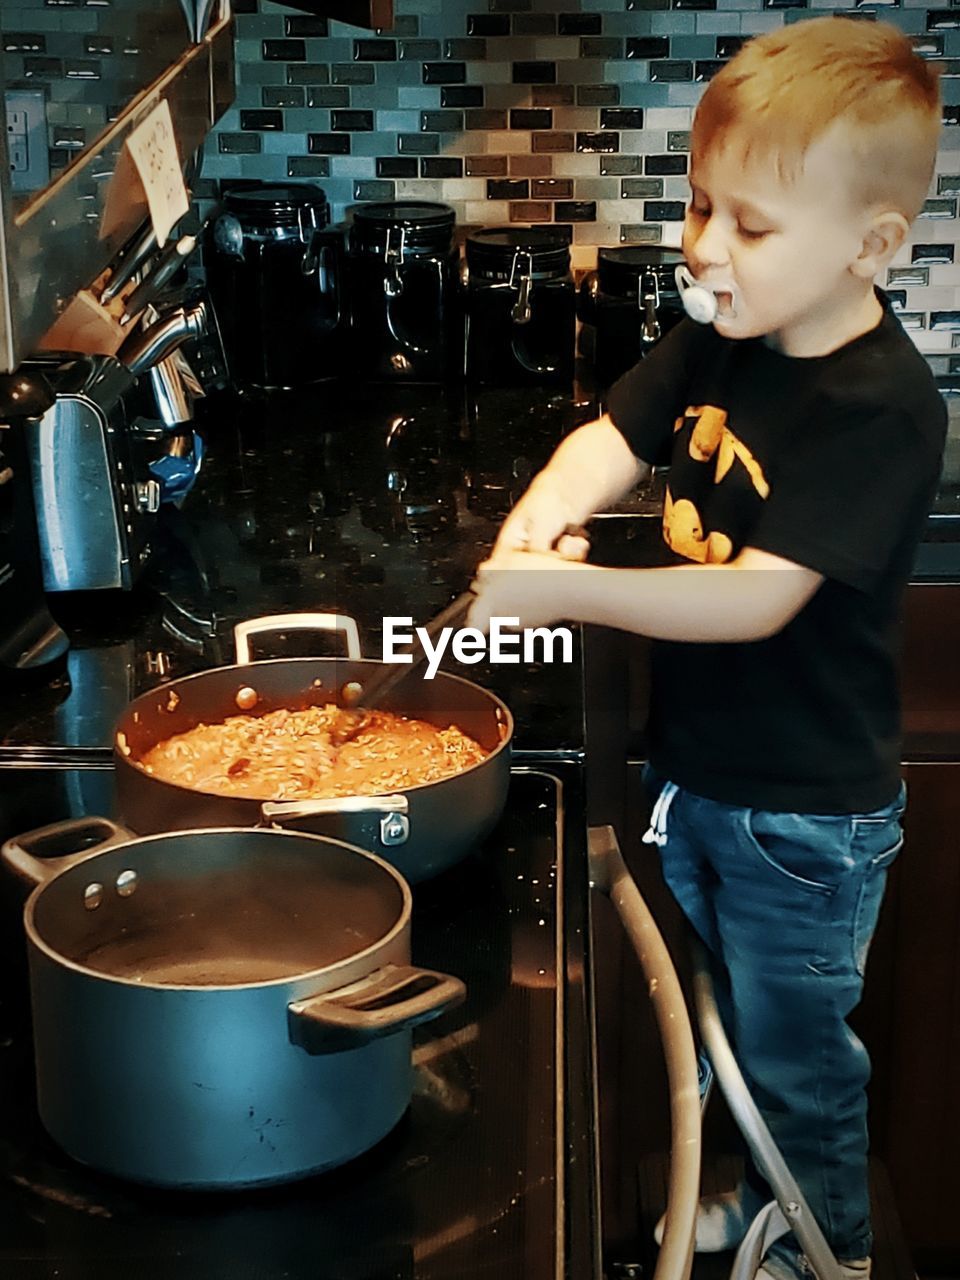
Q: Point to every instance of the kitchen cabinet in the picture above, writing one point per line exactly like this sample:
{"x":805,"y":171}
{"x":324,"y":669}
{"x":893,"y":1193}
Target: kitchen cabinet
{"x":910,"y":1019}
{"x":358,"y":13}
{"x":910,"y":1016}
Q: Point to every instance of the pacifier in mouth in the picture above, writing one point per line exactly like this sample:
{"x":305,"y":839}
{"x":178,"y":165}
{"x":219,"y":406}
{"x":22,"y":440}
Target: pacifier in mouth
{"x":700,"y":303}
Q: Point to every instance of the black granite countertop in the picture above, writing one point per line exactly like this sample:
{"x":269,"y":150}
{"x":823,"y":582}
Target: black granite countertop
{"x":372,"y":501}
{"x":369,"y":500}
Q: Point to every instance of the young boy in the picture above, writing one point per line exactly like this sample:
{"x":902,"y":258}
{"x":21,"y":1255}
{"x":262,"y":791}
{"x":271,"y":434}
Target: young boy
{"x":804,"y":434}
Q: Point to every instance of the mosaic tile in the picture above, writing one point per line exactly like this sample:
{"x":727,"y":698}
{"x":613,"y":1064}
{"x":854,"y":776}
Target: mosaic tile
{"x":534,"y":24}
{"x":552,"y":189}
{"x":488,"y":24}
{"x":468,"y":95}
{"x":531,"y":118}
{"x":485,"y":166}
{"x":513,"y":110}
{"x":396,"y":167}
{"x":508,"y":189}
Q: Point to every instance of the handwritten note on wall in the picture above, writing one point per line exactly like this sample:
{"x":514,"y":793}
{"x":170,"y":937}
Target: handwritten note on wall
{"x":153,"y":149}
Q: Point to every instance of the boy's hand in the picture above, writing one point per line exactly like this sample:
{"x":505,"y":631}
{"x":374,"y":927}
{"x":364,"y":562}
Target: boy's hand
{"x":538,"y":523}
{"x":529,"y":586}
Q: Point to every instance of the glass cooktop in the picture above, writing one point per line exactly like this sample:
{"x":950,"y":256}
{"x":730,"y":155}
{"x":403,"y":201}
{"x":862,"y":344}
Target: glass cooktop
{"x":489,"y":1173}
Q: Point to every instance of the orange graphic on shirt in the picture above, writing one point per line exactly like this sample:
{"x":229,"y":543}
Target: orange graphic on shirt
{"x":683,"y":529}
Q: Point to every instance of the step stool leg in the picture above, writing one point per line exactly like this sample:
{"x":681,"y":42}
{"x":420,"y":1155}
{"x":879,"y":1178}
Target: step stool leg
{"x":769,"y":1225}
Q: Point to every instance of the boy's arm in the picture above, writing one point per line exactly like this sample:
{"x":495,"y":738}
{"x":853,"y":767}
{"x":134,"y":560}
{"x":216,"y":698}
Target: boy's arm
{"x":591,"y":468}
{"x":751,"y":598}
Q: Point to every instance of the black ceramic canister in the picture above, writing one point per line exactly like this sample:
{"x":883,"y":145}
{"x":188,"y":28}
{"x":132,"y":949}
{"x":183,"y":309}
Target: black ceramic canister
{"x":631,"y":301}
{"x":275,"y":272}
{"x":406,"y":320}
{"x":520,"y":305}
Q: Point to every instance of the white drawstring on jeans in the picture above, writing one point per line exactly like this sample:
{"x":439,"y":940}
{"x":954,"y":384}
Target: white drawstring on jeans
{"x":656,"y":833}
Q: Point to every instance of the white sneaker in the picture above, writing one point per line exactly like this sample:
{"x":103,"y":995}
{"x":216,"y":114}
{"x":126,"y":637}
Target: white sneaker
{"x":721,"y":1223}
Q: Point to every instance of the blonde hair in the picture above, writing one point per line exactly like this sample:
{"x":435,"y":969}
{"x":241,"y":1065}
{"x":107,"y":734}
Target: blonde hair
{"x":785,"y":89}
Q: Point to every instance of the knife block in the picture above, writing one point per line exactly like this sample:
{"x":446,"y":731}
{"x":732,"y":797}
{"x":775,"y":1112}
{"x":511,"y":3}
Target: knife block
{"x":88,"y":327}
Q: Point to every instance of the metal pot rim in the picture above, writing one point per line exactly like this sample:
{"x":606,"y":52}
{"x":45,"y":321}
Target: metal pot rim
{"x":505,"y":718}
{"x":347,"y":964}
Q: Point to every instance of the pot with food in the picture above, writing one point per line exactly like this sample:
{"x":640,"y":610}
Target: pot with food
{"x":420,"y":780}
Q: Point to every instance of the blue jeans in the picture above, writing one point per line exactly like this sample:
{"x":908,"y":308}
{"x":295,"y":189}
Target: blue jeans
{"x":787,"y":904}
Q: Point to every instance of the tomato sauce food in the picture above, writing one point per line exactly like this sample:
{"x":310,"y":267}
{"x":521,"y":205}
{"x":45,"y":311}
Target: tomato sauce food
{"x":317,"y":753}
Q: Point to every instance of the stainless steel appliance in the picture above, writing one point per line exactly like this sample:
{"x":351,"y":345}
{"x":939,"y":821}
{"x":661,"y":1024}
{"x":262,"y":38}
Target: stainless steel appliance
{"x":30,"y":640}
{"x":93,"y":457}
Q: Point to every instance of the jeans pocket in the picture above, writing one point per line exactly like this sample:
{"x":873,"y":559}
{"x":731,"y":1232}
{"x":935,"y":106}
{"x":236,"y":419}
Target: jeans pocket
{"x":806,"y":850}
{"x":888,"y":842}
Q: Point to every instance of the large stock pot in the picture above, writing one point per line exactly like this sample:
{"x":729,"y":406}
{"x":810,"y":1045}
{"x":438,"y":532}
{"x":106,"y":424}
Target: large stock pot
{"x":219,"y":1008}
{"x":421,"y":830}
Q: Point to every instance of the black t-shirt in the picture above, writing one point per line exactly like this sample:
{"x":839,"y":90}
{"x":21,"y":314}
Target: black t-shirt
{"x":830,"y":462}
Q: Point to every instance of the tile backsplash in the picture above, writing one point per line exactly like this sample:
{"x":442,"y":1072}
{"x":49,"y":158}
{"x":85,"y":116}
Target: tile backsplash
{"x":548,"y":111}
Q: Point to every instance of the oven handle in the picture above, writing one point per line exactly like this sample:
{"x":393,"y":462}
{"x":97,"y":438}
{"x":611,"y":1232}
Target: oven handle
{"x":609,"y":874}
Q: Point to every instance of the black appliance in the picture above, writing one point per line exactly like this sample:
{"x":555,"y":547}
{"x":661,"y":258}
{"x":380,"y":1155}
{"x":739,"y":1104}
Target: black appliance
{"x":491,"y":1171}
{"x":404,"y":271}
{"x":630,"y":302}
{"x":30,"y":640}
{"x":521,"y":306}
{"x":275,"y":272}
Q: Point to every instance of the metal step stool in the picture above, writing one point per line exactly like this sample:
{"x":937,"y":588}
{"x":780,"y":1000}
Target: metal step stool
{"x":789,"y":1210}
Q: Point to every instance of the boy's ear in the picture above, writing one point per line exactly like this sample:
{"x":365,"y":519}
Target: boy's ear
{"x":885,"y":234}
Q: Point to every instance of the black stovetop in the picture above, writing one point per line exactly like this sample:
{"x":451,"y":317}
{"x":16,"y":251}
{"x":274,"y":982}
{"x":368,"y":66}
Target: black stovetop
{"x":490,"y":1172}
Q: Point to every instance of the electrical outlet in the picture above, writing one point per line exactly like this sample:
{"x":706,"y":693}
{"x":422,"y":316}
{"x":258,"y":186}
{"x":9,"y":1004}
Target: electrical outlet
{"x":18,"y":155}
{"x":27,"y":151}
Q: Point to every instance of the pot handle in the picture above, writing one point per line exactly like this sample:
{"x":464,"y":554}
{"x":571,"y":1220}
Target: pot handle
{"x":84,"y":836}
{"x":390,"y":999}
{"x":296,"y":622}
{"x":394,"y":824}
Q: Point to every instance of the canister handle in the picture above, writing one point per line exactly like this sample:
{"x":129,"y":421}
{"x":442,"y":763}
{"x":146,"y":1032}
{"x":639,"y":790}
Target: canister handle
{"x":295,"y":622}
{"x":90,"y":835}
{"x":372,"y":1008}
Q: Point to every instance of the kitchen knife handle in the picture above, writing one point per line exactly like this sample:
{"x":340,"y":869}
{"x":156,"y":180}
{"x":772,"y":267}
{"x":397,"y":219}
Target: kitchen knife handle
{"x":136,"y":255}
{"x":167,"y":264}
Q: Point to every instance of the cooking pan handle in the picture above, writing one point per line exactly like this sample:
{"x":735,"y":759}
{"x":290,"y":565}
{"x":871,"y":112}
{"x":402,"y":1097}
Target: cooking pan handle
{"x":296,"y":622}
{"x":83,"y":836}
{"x":274,"y":810}
{"x":394,"y":825}
{"x":390,"y":999}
